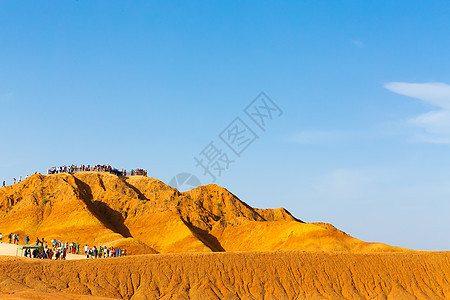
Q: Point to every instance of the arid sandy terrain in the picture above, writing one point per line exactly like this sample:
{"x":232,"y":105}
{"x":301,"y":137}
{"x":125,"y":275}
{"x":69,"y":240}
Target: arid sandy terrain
{"x":245,"y":275}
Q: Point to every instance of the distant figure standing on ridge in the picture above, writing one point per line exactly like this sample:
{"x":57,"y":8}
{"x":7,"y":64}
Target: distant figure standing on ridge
{"x":20,"y":179}
{"x":14,"y":181}
{"x":4,"y":183}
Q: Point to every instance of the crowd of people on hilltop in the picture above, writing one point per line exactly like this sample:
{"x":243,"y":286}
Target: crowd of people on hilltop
{"x":96,"y":168}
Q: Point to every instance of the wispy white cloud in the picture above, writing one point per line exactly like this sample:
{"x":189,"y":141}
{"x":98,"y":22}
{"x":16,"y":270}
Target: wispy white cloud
{"x":434,"y":93}
{"x":433,"y":126}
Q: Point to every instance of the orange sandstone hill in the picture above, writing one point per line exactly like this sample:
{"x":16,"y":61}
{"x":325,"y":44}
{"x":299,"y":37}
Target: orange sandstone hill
{"x":147,"y":216}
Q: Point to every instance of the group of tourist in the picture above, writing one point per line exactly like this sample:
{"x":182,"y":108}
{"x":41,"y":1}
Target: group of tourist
{"x":13,"y":238}
{"x":103,"y":252}
{"x":58,"y":250}
{"x":15,"y":180}
{"x":96,"y":168}
{"x":49,"y":253}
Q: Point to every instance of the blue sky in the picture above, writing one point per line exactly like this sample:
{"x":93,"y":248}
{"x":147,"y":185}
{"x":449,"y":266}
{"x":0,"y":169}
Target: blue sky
{"x":364,"y":87}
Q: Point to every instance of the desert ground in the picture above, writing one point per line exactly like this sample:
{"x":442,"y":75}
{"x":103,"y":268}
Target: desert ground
{"x":235,"y":275}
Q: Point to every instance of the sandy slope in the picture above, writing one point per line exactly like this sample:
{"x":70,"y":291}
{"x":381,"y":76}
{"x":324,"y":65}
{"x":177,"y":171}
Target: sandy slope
{"x":236,"y":275}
